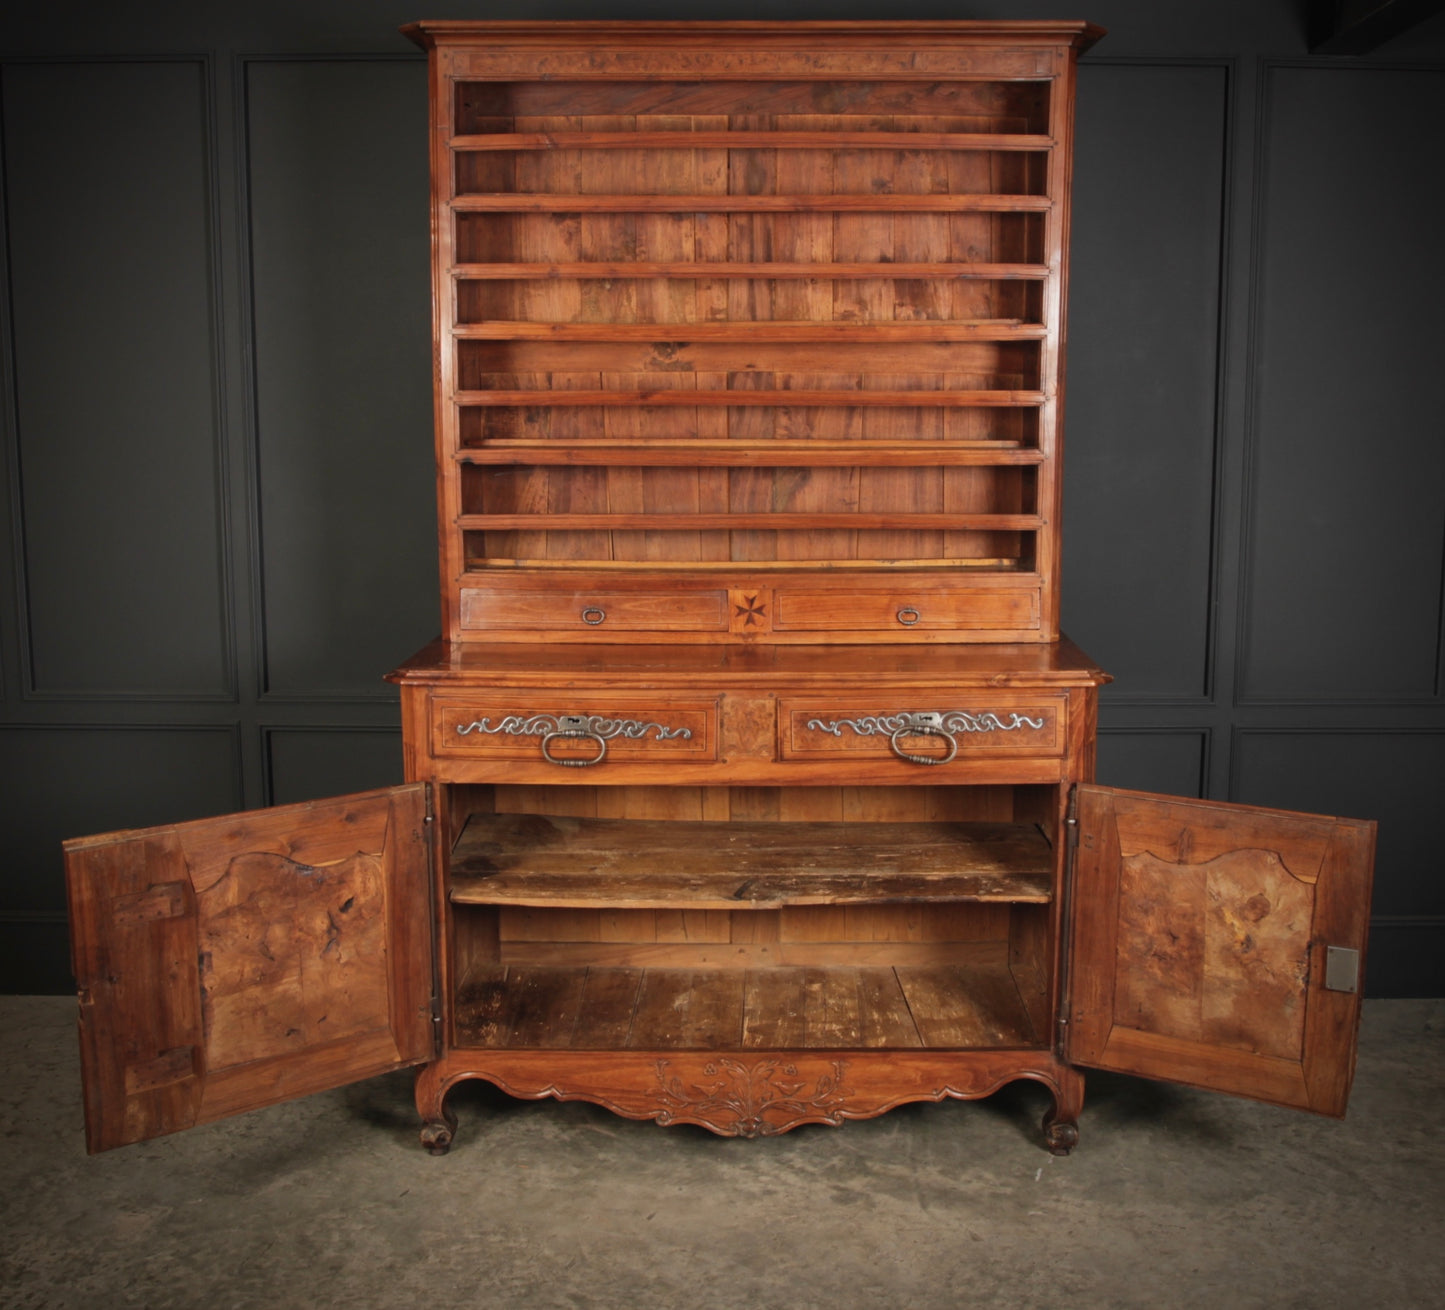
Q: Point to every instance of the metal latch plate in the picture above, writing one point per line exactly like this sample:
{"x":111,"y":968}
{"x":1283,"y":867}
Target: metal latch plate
{"x":1342,"y":969}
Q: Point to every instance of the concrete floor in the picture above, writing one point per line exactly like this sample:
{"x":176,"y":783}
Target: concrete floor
{"x":1173,"y":1198}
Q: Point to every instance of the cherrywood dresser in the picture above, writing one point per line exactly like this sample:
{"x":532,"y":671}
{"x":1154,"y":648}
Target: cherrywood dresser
{"x":750,"y":782}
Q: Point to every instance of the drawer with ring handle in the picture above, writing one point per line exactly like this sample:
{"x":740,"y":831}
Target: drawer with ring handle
{"x":816,"y":729}
{"x":597,"y":612}
{"x":975,"y":609}
{"x":573,"y":736}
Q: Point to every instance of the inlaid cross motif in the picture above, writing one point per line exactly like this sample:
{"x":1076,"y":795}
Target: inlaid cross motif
{"x":753,"y":609}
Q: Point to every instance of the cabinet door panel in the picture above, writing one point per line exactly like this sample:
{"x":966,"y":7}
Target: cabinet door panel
{"x":240,"y":961}
{"x":1199,"y":943}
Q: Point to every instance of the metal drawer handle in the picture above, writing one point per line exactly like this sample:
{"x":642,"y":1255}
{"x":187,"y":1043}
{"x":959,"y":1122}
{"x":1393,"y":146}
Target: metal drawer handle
{"x":924,"y":725}
{"x":572,"y":726}
{"x":908,"y":616}
{"x":593,"y":615}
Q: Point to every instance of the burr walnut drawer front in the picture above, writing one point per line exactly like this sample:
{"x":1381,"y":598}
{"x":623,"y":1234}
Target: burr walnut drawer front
{"x":562,"y":731}
{"x":921,"y":730}
{"x":595,"y":613}
{"x":971,"y":609}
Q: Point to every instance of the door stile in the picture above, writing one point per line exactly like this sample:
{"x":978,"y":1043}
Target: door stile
{"x":1066,"y":925}
{"x":436,"y":867}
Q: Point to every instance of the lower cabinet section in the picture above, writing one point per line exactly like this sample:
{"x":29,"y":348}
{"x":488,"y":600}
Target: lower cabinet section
{"x":750,"y":973}
{"x":931,"y":911}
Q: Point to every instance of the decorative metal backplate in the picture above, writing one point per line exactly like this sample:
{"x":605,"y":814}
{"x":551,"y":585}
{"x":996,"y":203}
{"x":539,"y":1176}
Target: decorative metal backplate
{"x":572,"y":725}
{"x":950,"y":721}
{"x":926,"y":723}
{"x":587,"y":727}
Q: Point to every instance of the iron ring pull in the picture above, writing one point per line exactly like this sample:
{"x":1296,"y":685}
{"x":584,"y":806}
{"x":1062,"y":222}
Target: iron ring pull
{"x":923,"y":730}
{"x":574,"y":733}
{"x":592,"y":615}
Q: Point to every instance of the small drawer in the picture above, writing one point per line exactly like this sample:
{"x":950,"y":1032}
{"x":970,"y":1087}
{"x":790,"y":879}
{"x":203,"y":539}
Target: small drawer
{"x":922,"y":731}
{"x":574,"y":732}
{"x":597,"y":612}
{"x":981,"y":609}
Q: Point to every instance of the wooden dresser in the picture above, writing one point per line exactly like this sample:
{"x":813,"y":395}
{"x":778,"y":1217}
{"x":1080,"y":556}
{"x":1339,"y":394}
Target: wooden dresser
{"x":750,"y":783}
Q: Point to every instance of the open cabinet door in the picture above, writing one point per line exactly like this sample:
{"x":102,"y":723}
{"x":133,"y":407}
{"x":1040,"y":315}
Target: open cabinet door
{"x":236,"y":962}
{"x":1218,"y":945}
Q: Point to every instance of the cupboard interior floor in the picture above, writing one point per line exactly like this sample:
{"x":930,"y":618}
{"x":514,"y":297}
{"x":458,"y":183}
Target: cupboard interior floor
{"x":972,"y":1002}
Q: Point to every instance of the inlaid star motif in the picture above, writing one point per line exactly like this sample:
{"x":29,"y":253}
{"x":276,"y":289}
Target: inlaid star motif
{"x":751,"y":611}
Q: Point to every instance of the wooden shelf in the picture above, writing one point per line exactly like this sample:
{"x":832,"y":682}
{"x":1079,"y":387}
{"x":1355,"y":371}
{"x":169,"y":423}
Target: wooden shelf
{"x":539,"y":860}
{"x":731,"y":398}
{"x":1017,"y":571}
{"x":974,"y":1004}
{"x":754,"y":330}
{"x":780,"y":139}
{"x":939,"y":202}
{"x":781,"y":520}
{"x":690,"y":269}
{"x":744,"y":454}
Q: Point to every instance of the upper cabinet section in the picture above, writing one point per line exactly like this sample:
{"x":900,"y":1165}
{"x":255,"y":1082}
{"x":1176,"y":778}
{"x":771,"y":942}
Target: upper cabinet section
{"x":750,"y":331}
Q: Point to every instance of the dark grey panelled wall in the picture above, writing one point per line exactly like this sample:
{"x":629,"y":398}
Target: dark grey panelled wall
{"x":217,"y":442}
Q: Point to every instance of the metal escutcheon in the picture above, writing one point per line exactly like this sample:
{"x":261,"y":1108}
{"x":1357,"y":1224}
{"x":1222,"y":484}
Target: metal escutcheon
{"x":924,"y":724}
{"x":593,"y":615}
{"x":573,"y":726}
{"x":908,"y":616}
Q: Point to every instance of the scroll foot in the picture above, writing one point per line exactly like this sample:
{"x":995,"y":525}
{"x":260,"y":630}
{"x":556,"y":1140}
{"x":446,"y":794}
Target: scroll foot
{"x":439,"y":1125}
{"x":1060,"y":1137}
{"x":1061,"y":1123}
{"x":437,"y":1134}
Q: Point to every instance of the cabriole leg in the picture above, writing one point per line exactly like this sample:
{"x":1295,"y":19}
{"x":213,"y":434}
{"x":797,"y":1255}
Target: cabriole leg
{"x":1061,"y":1123}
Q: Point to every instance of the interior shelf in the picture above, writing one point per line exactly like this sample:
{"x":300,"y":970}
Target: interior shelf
{"x":737,"y":397}
{"x":730,"y":451}
{"x":773,"y":139}
{"x":757,"y":330}
{"x":1016,"y":569}
{"x":539,"y":860}
{"x":973,"y":1004}
{"x":552,"y":202}
{"x":688,"y":268}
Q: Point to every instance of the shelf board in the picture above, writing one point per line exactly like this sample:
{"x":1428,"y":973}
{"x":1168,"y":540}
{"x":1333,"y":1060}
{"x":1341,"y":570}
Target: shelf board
{"x":1015,"y":571}
{"x":973,"y":1004}
{"x":746,"y":454}
{"x":540,"y":860}
{"x":942,"y":202}
{"x":753,"y":330}
{"x":689,"y":269}
{"x":691,"y":397}
{"x":781,"y":139}
{"x":782,"y":521}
